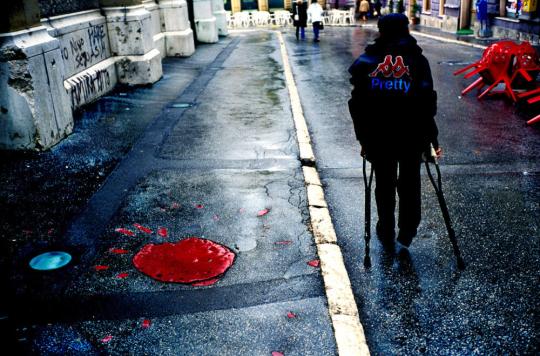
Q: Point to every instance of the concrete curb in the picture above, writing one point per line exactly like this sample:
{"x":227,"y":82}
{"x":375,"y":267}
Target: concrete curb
{"x":448,"y":40}
{"x":348,"y":330}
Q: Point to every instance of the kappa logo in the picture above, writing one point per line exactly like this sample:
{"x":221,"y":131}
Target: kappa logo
{"x":389,"y":68}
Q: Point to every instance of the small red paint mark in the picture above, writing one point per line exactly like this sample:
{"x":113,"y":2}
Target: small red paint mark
{"x":284,"y":242}
{"x":125,"y":231}
{"x":162,"y":231}
{"x":215,"y":217}
{"x":314,"y":263}
{"x":175,"y":205}
{"x":146,"y":324}
{"x":106,"y":339}
{"x":189,"y":260}
{"x":291,"y":315}
{"x":241,"y":210}
{"x":199,"y":206}
{"x":263,"y":212}
{"x":122,"y":275}
{"x":118,"y":251}
{"x":206,"y":283}
{"x":101,"y":267}
{"x":143,"y":228}
{"x":277,"y":353}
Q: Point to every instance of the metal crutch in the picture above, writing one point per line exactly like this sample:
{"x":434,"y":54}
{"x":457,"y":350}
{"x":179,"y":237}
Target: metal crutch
{"x":367,"y":213}
{"x":437,"y":185}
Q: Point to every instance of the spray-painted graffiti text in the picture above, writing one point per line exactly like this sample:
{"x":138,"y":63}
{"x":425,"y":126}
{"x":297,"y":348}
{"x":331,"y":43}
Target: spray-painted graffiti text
{"x":89,"y":86}
{"x":85,"y":48}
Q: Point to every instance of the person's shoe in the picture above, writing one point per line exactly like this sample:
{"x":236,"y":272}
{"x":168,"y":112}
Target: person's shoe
{"x":405,"y":237}
{"x":316,"y":40}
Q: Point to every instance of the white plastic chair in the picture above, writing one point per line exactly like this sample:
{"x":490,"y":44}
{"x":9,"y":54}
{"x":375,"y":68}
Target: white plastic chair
{"x":262,"y":18}
{"x":326,"y":18}
{"x":335,"y":17}
{"x":282,"y":18}
{"x":230,"y":19}
{"x":349,"y":16}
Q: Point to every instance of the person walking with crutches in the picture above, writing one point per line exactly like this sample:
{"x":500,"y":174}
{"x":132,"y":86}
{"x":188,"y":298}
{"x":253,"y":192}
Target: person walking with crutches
{"x":393,"y":106}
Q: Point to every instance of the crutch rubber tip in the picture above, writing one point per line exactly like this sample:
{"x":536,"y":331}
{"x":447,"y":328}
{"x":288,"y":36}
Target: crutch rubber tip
{"x":367,"y":262}
{"x":460,"y":263}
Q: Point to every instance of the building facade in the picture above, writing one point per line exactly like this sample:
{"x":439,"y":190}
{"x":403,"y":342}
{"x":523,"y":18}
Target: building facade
{"x":507,"y":19}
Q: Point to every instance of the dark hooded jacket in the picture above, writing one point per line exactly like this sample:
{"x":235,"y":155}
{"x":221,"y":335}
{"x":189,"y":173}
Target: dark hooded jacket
{"x":393,"y":103}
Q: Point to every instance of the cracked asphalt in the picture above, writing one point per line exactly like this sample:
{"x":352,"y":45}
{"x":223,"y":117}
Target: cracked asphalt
{"x":214,"y":150}
{"x":211,"y":145}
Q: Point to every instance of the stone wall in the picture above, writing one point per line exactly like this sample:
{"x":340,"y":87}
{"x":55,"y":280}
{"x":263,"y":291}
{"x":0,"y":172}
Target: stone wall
{"x":47,"y":71}
{"x":50,"y":8}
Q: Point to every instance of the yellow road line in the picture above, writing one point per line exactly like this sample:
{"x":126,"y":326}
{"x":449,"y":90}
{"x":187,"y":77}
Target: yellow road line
{"x":348,"y":330}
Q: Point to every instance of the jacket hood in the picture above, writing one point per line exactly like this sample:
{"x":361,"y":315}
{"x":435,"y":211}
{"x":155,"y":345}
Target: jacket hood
{"x":406,"y":44}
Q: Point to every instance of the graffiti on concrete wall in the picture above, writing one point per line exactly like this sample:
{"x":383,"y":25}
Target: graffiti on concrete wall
{"x":90,"y":85}
{"x":84,"y":48}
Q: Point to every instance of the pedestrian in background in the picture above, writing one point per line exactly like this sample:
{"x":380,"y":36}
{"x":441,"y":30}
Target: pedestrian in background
{"x":364,"y":9}
{"x":393,"y":106}
{"x":378,"y":6}
{"x":300,"y":18}
{"x":315,"y":12}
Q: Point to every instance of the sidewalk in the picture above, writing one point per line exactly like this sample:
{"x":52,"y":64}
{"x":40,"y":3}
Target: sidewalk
{"x":219,"y":161}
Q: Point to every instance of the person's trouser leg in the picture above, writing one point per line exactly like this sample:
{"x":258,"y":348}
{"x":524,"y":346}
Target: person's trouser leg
{"x":302,"y":32}
{"x":408,"y":187}
{"x":385,"y":196}
{"x":316,"y":31}
{"x":297,"y":31}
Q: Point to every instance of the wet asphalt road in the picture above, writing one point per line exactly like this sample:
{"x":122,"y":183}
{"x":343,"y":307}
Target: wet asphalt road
{"x":204,"y":150}
{"x":201,"y":153}
{"x":491,"y":179}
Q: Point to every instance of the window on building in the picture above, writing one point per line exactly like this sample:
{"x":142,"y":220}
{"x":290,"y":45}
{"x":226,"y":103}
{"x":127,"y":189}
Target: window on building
{"x":426,"y":6}
{"x":513,"y":8}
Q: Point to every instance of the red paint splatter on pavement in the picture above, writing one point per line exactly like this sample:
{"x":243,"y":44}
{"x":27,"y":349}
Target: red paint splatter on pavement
{"x":101,"y":267}
{"x":162,"y":231}
{"x":199,"y":206}
{"x":263,"y":212}
{"x":122,"y":275}
{"x":124,"y":231}
{"x":291,"y":315}
{"x":118,"y":251}
{"x":314,"y":263}
{"x":206,"y":283}
{"x":143,"y":228}
{"x":277,"y":353}
{"x":187,"y":261}
{"x":284,"y":242}
{"x":146,"y":324}
{"x":106,"y":339}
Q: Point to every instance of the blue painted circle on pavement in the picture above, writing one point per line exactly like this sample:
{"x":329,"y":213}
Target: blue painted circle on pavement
{"x":50,"y":260}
